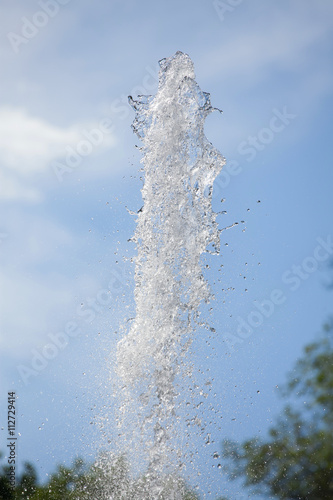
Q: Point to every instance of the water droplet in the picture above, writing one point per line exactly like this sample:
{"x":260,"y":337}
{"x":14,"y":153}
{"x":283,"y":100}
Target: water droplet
{"x":208,"y":441}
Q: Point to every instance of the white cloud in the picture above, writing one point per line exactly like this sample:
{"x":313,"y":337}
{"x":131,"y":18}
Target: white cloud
{"x":29,"y":144}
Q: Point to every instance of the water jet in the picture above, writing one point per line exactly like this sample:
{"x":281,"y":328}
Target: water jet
{"x":175,"y":227}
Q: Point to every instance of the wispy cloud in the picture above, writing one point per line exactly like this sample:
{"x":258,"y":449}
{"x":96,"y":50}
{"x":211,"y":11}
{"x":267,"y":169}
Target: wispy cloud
{"x":283,"y":43}
{"x":282,"y":61}
{"x":28,"y":145}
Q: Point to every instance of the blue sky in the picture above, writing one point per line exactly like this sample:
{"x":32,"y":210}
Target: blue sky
{"x":66,"y":75}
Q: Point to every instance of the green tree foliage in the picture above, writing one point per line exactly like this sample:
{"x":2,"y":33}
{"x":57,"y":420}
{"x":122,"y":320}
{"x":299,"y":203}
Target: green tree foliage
{"x":296,"y":461}
{"x":27,"y":482}
{"x":6,"y":492}
{"x":108,"y":478}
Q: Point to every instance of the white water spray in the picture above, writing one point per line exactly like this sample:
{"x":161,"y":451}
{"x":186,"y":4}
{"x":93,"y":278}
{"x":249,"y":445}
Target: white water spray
{"x":175,"y":226}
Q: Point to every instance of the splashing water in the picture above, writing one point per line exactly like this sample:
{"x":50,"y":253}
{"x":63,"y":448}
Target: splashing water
{"x":175,"y":226}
